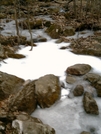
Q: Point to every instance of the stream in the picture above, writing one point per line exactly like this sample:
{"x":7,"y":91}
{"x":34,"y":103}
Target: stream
{"x":67,"y":115}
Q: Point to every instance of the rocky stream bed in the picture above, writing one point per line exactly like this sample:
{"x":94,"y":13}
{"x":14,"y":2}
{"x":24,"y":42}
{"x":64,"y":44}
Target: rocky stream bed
{"x":20,"y":98}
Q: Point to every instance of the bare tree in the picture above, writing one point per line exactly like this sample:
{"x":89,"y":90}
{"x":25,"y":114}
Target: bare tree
{"x":16,"y":21}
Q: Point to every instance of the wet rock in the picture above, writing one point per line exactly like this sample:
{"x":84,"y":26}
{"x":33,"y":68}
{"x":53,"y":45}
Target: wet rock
{"x":84,"y":132}
{"x":25,"y":99}
{"x":78,"y":69}
{"x":54,"y":31}
{"x":78,"y":90}
{"x":47,"y":90}
{"x":9,"y":84}
{"x":70,"y":79}
{"x":90,"y":104}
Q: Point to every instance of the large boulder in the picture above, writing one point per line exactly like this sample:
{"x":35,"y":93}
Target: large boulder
{"x":25,"y":99}
{"x":90,"y":104}
{"x":29,"y":125}
{"x":78,"y":69}
{"x":47,"y":90}
{"x":9,"y":84}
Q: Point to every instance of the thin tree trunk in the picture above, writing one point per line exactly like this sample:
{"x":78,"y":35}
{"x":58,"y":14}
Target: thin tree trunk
{"x":74,"y":4}
{"x":16,"y":22}
{"x":31,"y":39}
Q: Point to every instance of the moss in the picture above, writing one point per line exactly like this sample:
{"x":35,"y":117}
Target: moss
{"x":54,"y":31}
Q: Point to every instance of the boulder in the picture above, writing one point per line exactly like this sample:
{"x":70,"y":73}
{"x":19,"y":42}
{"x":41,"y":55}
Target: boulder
{"x":90,"y":104}
{"x":69,"y":31}
{"x":25,"y":99}
{"x":47,"y":90}
{"x":54,"y":31}
{"x":78,"y":90}
{"x":78,"y":69}
{"x":9,"y":84}
{"x":29,"y":125}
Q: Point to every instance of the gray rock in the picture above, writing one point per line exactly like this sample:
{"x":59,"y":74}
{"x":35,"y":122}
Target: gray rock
{"x":47,"y":90}
{"x":78,"y":69}
{"x":90,"y":104}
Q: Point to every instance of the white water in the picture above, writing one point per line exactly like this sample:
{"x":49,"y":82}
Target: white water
{"x":67,"y":115}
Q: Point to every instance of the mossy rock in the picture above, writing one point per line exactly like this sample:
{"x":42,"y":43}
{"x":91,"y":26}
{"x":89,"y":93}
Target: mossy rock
{"x":54,"y":31}
{"x":69,"y":31}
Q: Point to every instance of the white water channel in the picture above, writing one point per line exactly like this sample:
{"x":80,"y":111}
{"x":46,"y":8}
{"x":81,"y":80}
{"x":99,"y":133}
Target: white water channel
{"x":67,"y":115}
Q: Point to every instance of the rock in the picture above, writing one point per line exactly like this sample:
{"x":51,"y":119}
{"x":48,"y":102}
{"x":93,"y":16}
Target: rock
{"x":70,"y":79}
{"x":34,"y":24}
{"x":92,"y":77}
{"x":95,"y":81}
{"x":84,"y":132}
{"x":90,"y":104}
{"x":26,"y":117}
{"x":15,"y":55}
{"x":54,"y":31}
{"x":2,"y":16}
{"x":40,"y":39}
{"x":32,"y":127}
{"x":9,"y":84}
{"x":25,"y":99}
{"x":47,"y":90}
{"x":78,"y":69}
{"x":97,"y":85}
{"x":27,"y":124}
{"x":78,"y":90}
{"x":12,"y":40}
{"x":69,"y":31}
